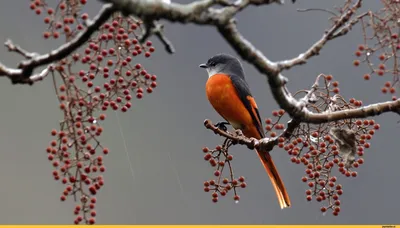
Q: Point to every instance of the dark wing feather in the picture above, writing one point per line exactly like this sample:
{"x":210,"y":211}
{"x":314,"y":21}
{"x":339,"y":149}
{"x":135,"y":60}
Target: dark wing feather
{"x":243,"y":91}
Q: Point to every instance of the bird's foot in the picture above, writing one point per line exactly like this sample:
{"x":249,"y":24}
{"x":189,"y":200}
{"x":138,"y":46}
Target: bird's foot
{"x":221,"y":125}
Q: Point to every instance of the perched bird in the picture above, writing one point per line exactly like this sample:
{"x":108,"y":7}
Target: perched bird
{"x":229,"y":94}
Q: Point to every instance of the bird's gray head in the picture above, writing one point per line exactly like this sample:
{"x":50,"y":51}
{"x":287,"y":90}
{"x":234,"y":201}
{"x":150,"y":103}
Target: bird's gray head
{"x":223,"y":63}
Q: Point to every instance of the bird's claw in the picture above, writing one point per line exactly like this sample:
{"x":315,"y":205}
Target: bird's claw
{"x":221,"y":125}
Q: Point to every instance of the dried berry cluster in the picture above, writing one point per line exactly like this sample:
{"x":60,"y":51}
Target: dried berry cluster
{"x":103,"y":75}
{"x":220,"y":159}
{"x":323,"y":149}
{"x":381,"y":45}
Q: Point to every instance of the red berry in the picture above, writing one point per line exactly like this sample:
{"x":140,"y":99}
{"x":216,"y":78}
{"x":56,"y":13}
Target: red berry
{"x":234,"y":182}
{"x":336,"y":90}
{"x":241,"y":178}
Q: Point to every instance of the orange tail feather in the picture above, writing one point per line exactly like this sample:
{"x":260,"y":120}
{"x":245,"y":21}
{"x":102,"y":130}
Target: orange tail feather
{"x":281,"y":193}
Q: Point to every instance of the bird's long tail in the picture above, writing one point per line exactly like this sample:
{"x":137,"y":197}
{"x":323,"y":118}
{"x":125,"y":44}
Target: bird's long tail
{"x":281,"y":193}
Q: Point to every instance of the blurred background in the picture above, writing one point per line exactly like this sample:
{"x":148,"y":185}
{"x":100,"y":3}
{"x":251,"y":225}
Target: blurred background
{"x":164,"y":132}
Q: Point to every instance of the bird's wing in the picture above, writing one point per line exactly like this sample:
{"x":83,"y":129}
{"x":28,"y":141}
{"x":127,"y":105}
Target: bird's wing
{"x":243,"y":91}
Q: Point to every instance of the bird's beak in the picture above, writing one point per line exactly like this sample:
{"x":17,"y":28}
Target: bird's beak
{"x":203,"y":65}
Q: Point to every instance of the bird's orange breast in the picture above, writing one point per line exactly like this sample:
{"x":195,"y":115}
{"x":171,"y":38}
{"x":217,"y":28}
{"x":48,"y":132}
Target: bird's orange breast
{"x":224,"y":98}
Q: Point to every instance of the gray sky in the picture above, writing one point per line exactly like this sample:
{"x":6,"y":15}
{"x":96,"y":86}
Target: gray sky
{"x":164,"y":132}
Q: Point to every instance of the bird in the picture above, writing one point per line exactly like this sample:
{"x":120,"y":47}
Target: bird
{"x":230,"y":96}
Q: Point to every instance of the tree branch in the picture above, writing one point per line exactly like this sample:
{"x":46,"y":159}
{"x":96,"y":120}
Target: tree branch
{"x":201,"y":12}
{"x":154,"y":28}
{"x":362,"y":112}
{"x":23,"y":75}
{"x":317,"y":46}
{"x":15,"y":48}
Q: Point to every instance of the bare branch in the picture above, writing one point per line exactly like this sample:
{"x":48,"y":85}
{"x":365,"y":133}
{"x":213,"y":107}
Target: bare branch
{"x":15,"y":48}
{"x":316,"y":47}
{"x":317,"y":9}
{"x":198,"y":12}
{"x":363,"y":112}
{"x":345,"y":29}
{"x":41,"y":75}
{"x":154,"y":28}
{"x":236,"y":137}
{"x":248,"y":52}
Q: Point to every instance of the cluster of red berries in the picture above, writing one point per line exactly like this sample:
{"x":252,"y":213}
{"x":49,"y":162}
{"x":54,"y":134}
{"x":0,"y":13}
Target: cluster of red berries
{"x":389,"y":87}
{"x":77,"y":157}
{"x":61,"y":20}
{"x":272,"y":127}
{"x":320,"y":154}
{"x":219,"y":159}
{"x":315,"y":147}
{"x":107,"y":78}
{"x":382,"y":47}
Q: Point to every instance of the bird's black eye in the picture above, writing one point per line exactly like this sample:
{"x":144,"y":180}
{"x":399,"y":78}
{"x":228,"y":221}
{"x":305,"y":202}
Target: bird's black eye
{"x":212,"y":64}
